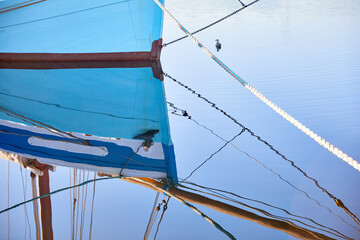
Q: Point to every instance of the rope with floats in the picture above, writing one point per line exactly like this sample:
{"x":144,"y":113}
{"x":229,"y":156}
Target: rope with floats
{"x":337,"y":152}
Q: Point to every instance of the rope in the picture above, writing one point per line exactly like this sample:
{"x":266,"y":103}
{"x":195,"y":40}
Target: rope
{"x":208,"y":219}
{"x":74,"y":205}
{"x":83,"y":208}
{"x":285,"y":115}
{"x":242,"y":3}
{"x":162,"y":215}
{"x":212,"y":24}
{"x":77,"y":207}
{"x":27,"y":221}
{"x":56,"y":191}
{"x":148,"y":227}
{"x":71,"y":213}
{"x":130,"y":158}
{"x":92,"y":207}
{"x":215,"y":224}
{"x":8,"y":200}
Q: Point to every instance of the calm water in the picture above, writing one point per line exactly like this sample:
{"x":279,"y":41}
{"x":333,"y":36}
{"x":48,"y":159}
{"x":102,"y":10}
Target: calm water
{"x":304,"y":56}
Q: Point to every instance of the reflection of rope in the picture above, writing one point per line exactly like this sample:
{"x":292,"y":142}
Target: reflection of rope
{"x":212,"y":24}
{"x":152,"y":217}
{"x":92,"y":208}
{"x":162,"y":215}
{"x":27,"y":221}
{"x":215,"y":224}
{"x":337,"y":152}
{"x":221,"y":148}
{"x":337,"y":201}
{"x":56,"y":191}
{"x":8,"y":200}
{"x":222,"y":196}
{"x":83,"y":208}
{"x":263,"y":165}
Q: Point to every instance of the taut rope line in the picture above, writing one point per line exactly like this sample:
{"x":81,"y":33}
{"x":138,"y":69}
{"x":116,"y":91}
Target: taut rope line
{"x":277,"y":109}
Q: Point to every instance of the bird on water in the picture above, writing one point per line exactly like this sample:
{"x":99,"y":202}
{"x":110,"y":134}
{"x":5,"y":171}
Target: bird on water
{"x":217,"y":45}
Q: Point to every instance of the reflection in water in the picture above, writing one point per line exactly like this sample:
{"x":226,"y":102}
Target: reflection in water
{"x":185,"y":114}
{"x":337,"y":201}
{"x":78,"y":189}
{"x":220,"y":194}
{"x":213,"y":154}
{"x":213,"y":23}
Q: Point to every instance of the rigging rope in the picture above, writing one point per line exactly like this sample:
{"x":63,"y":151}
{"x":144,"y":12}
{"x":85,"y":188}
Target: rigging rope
{"x":242,"y":3}
{"x":281,"y":112}
{"x":83,"y":208}
{"x":74,"y":205}
{"x":162,"y":215}
{"x":56,"y":191}
{"x":212,"y":24}
{"x":27,"y":221}
{"x":77,"y":207}
{"x":92,"y":208}
{"x":8,"y":200}
{"x":148,"y":227}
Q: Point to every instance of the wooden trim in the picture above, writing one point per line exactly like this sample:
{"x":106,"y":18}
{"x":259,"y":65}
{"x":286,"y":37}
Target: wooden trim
{"x":74,"y":57}
{"x":156,"y":50}
{"x":154,"y":54}
{"x":14,"y":8}
{"x":86,"y":60}
{"x":73,"y":64}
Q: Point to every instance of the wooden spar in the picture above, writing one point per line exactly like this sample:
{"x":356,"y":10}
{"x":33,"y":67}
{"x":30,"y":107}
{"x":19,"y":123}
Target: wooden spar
{"x":288,"y":228}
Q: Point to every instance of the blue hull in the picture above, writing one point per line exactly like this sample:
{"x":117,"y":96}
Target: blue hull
{"x":80,"y":26}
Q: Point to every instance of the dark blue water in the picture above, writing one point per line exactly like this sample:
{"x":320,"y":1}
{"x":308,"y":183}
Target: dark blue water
{"x":305,"y":57}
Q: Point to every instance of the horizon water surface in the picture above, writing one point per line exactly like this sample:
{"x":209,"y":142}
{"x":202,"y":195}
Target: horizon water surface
{"x":302,"y":55}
